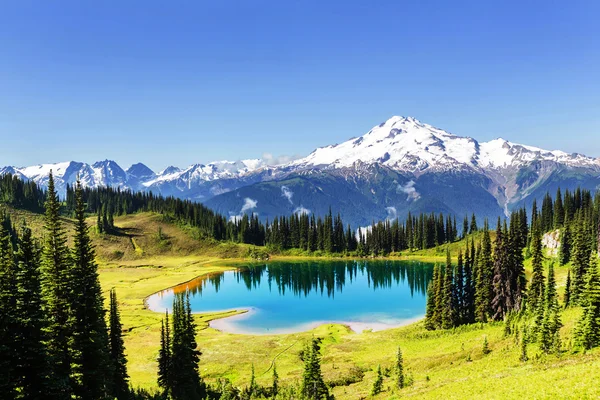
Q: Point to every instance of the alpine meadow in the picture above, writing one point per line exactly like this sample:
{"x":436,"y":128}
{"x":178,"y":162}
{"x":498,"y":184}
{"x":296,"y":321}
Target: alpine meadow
{"x":263,"y":224}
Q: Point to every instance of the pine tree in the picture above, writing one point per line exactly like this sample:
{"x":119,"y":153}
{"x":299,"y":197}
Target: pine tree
{"x":378,"y":384}
{"x":165,"y":359}
{"x":399,"y":369}
{"x":564,"y":254}
{"x":32,"y":366}
{"x":483,"y":292}
{"x":8,"y":318}
{"x":551,"y":323}
{"x":56,"y":265}
{"x":120,"y":378}
{"x":448,"y":300}
{"x":501,"y":279}
{"x":275,"y":385}
{"x":587,"y":333}
{"x":567,"y":295}
{"x":459,"y":290}
{"x":186,"y":382}
{"x":430,"y":309}
{"x":313,"y":385}
{"x":536,"y":288}
{"x":91,"y":365}
{"x":581,"y":261}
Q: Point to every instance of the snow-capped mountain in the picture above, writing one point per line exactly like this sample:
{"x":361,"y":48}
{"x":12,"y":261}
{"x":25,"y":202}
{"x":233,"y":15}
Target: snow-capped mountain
{"x":400,"y":165}
{"x":408,"y":145}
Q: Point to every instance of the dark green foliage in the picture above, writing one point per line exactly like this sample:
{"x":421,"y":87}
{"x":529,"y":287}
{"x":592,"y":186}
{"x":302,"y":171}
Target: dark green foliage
{"x":8,"y":318}
{"x":378,"y":384}
{"x":567,"y":296}
{"x":185,"y":356}
{"x":485,"y":349}
{"x":313,"y":385}
{"x":275,"y":385}
{"x":56,"y":266}
{"x":32,"y":365}
{"x":483,"y":291}
{"x":500,"y":301}
{"x":587,"y":332}
{"x":120,"y":378}
{"x":536,"y":287}
{"x":581,"y":257}
{"x":165,"y":381}
{"x":89,"y":344}
{"x":551,"y":323}
{"x":21,"y":194}
{"x":564,"y":254}
{"x":449,"y":309}
{"x":399,"y":369}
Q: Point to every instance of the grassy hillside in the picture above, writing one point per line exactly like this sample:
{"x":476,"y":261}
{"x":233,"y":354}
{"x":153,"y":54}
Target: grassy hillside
{"x":138,"y":261}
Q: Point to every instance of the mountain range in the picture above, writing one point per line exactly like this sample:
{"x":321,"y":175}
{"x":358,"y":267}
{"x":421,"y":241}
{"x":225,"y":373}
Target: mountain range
{"x":400,"y":165}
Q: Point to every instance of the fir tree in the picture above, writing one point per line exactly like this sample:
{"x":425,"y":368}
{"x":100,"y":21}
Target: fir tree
{"x":448,"y":300}
{"x":551,"y":323}
{"x":501,"y":278}
{"x":165,"y":360}
{"x":536,"y":288}
{"x":55,"y":269}
{"x":313,"y":385}
{"x":91,"y":365}
{"x":399,"y":369}
{"x":587,"y":333}
{"x":430,"y":309}
{"x":483,"y":293}
{"x":120,"y":378}
{"x":567,"y":296}
{"x":378,"y":384}
{"x":581,"y":260}
{"x":8,"y":318}
{"x":186,"y":382}
{"x":564,"y":254}
{"x":275,"y":385}
{"x":32,"y":365}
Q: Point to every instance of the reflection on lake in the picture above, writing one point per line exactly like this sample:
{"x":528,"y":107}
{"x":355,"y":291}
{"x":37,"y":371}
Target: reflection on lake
{"x":296,"y":296}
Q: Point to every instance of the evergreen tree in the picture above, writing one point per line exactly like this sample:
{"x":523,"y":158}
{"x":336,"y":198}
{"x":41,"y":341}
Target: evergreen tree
{"x":8,"y":318}
{"x":55,"y":270}
{"x":448,"y":299}
{"x":275,"y":386}
{"x":564,"y":254}
{"x":581,"y":260}
{"x":473,"y":228}
{"x":483,"y":293}
{"x":32,"y":365}
{"x":536,"y":288}
{"x":165,"y":359}
{"x":501,"y":279}
{"x":378,"y":384}
{"x":120,"y":378}
{"x":587,"y":333}
{"x":399,"y":369}
{"x":313,"y":385}
{"x":91,"y":365}
{"x":567,"y":295}
{"x":430,"y":309}
{"x":186,"y":382}
{"x":551,"y":323}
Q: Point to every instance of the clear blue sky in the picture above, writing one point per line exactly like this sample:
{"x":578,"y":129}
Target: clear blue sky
{"x":194,"y":81}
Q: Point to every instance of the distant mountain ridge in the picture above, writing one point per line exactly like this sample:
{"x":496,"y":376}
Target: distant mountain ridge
{"x":400,"y":165}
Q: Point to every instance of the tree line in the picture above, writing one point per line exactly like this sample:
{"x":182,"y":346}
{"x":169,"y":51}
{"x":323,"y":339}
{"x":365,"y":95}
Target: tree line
{"x":55,"y":342}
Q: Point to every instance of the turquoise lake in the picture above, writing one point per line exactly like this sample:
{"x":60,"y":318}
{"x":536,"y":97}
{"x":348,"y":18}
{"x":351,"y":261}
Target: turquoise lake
{"x":285,"y":297}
